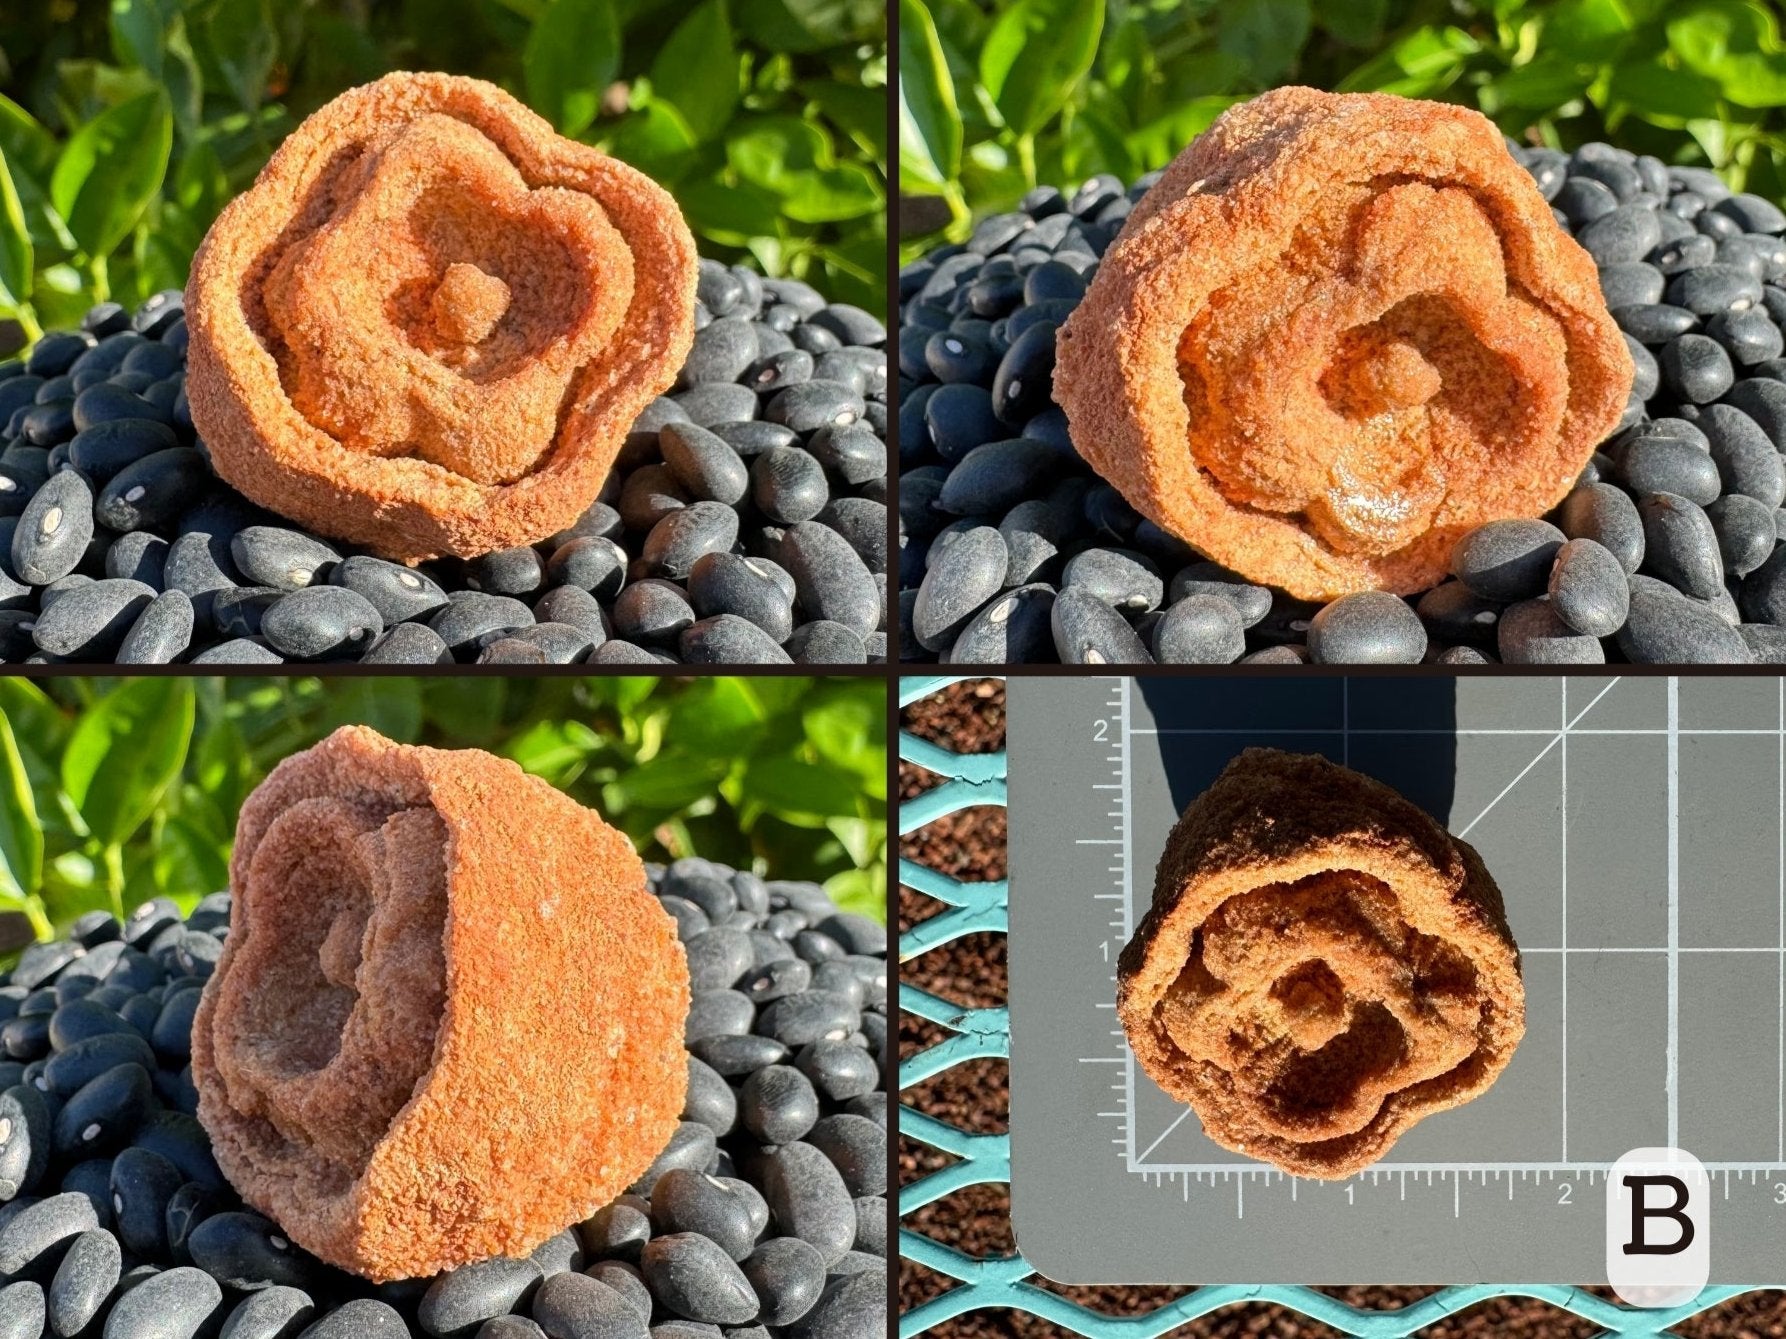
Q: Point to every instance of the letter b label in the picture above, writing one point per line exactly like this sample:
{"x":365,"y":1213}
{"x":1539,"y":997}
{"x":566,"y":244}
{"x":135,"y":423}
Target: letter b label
{"x":1658,"y":1227}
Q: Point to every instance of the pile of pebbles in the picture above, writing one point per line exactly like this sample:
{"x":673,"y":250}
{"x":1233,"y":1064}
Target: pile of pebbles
{"x":745,"y":521}
{"x":1667,"y":551}
{"x":764,"y":1218}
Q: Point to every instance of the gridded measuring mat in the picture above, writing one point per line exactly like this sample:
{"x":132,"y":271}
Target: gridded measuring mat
{"x":1636,"y":828}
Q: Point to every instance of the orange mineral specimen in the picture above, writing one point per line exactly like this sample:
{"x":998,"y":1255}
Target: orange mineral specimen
{"x":429,"y":324}
{"x":1322,"y":967}
{"x":1341,"y":331}
{"x":447,"y":1021}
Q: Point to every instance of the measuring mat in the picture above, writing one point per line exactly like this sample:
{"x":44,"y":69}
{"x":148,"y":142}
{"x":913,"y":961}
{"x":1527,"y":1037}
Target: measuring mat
{"x":1636,"y":829}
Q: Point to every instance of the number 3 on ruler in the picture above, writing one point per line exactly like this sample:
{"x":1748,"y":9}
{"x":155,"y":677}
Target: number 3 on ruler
{"x":1780,"y":1192}
{"x":1102,"y":734}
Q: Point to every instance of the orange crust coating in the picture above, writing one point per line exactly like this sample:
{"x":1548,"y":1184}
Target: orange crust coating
{"x":429,"y":324}
{"x":1323,"y":966}
{"x":1342,"y":330}
{"x":447,"y":1021}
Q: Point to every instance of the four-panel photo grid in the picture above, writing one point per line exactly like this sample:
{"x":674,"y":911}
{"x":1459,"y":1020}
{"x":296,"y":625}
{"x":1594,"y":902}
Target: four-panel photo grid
{"x":1248,"y":535}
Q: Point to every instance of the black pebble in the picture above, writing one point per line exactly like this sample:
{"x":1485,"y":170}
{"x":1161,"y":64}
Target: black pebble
{"x":1371,"y":627}
{"x":1680,"y":545}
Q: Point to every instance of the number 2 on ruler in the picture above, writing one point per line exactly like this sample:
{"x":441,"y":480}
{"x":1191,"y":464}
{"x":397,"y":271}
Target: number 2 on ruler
{"x":1102,"y":734}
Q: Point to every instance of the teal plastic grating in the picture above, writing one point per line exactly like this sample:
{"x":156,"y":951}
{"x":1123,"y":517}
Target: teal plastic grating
{"x":1003,"y":1283}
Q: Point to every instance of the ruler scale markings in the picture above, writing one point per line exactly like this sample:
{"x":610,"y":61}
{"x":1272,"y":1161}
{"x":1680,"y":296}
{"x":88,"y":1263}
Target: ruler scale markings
{"x":1540,"y":1180}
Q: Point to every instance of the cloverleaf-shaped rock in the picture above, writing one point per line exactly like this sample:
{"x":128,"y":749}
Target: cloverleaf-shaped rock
{"x":1342,"y":330}
{"x":429,"y":324}
{"x":447,"y":1021}
{"x":1322,"y":967}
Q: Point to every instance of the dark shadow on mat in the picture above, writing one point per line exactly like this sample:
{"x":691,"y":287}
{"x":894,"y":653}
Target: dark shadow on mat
{"x":1204,"y":723}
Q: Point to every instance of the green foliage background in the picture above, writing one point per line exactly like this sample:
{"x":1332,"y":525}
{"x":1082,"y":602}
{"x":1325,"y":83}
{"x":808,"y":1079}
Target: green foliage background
{"x":125,"y":125}
{"x":116,"y":790}
{"x":997,"y":96}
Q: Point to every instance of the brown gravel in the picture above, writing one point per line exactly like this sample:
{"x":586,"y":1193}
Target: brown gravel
{"x":970,"y":718}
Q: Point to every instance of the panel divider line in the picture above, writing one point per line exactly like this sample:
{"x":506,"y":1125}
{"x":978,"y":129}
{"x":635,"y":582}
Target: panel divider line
{"x":1780,"y":1132}
{"x":1563,"y":822}
{"x":1674,"y":912}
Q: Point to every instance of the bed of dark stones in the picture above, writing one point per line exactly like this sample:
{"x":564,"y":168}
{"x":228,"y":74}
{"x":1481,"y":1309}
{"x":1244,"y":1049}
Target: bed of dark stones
{"x":764,"y":1218}
{"x":744,"y":522}
{"x":1667,"y":551}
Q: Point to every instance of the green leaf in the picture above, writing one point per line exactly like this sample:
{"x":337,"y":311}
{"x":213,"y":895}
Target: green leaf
{"x":1736,"y":45}
{"x":833,"y":194}
{"x":185,"y":861}
{"x":803,"y":26}
{"x":1266,"y":34}
{"x":27,"y":145}
{"x":625,"y":692}
{"x":1357,"y":23}
{"x":669,"y":782}
{"x":393,"y":707}
{"x":37,"y":723}
{"x":465,"y":710}
{"x":850,"y":734}
{"x":729,"y":213}
{"x":792,"y":159}
{"x":786,"y":785}
{"x":1661,"y":94}
{"x":1158,"y":142}
{"x":655,"y":139}
{"x":1423,"y":62}
{"x":572,"y":55}
{"x":1036,"y":53}
{"x":1542,"y":85}
{"x":241,"y":37}
{"x":125,"y":751}
{"x":860,"y":837}
{"x":1094,"y":144}
{"x":929,"y":124}
{"x":859,"y":110}
{"x":696,"y":70}
{"x":222,"y":767}
{"x":21,"y":835}
{"x":16,"y":252}
{"x":110,"y":170}
{"x":553,"y":749}
{"x":1587,"y":32}
{"x":138,"y":30}
{"x":855,"y":268}
{"x":184,"y":81}
{"x":863,"y":891}
{"x":722,"y":716}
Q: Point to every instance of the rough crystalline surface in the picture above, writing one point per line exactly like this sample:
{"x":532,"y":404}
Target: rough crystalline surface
{"x":429,"y":324}
{"x":1322,"y":966}
{"x":1341,"y":330}
{"x":447,"y":1021}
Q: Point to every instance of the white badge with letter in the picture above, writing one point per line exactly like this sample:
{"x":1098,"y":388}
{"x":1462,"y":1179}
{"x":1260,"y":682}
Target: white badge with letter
{"x":1658,"y":1227}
